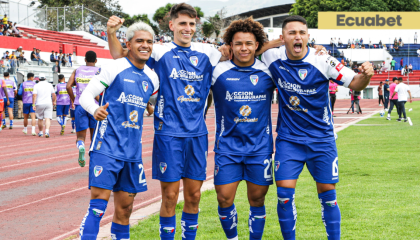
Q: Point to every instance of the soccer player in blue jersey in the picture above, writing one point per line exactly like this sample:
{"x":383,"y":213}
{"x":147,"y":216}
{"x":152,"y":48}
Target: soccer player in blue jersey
{"x":242,"y":90}
{"x":116,"y":150}
{"x":305,"y":125}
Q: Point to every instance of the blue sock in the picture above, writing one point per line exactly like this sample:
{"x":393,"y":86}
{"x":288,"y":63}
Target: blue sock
{"x":286,"y":210}
{"x":80,"y":143}
{"x":229,"y":220}
{"x":72,"y":124}
{"x":11,"y":122}
{"x":189,"y":225}
{"x":90,"y":225}
{"x":256,"y":222}
{"x":331,"y":215}
{"x":167,"y":227}
{"x":119,"y":232}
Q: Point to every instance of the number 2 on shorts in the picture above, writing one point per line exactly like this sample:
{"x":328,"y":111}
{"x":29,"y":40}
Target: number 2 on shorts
{"x":141,"y":177}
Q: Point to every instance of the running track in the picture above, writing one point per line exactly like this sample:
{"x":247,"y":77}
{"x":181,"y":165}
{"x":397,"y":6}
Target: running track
{"x":44,"y":192}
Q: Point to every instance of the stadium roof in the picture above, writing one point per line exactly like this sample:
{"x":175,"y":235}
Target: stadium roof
{"x":267,"y":11}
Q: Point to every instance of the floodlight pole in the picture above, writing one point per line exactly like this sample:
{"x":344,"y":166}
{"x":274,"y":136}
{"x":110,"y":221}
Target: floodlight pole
{"x":64,"y":23}
{"x":408,"y":74}
{"x":83,"y":20}
{"x":57,"y":20}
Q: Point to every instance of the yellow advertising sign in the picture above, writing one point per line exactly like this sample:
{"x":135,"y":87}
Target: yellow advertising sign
{"x":368,"y":20}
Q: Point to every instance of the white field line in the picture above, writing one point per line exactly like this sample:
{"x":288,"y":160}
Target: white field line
{"x":34,"y":161}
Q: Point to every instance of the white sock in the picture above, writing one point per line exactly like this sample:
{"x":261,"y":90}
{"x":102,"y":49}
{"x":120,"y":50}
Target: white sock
{"x":47,"y":131}
{"x":59,"y":120}
{"x":25,"y":129}
{"x":389,"y":115}
{"x":41,"y":132}
{"x":33,"y":128}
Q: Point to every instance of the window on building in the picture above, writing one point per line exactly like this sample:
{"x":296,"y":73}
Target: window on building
{"x":278,"y":21}
{"x":265,"y":22}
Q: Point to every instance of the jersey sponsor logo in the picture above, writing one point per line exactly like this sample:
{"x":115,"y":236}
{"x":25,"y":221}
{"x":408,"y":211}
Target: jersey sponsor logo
{"x":254,"y":79}
{"x":303,"y":73}
{"x":98,"y":72}
{"x":194,"y":60}
{"x":102,"y":129}
{"x":283,"y":200}
{"x":326,"y":118}
{"x":339,"y":67}
{"x":131,"y":99}
{"x":9,"y":86}
{"x":83,"y":79}
{"x":283,"y":68}
{"x":244,"y":96}
{"x":163,"y":166}
{"x":97,"y":212}
{"x":216,"y":170}
{"x":176,"y":57}
{"x":63,"y":92}
{"x":332,"y":203}
{"x":145,"y":86}
{"x":88,"y":71}
{"x":134,"y":116}
{"x":245,"y":111}
{"x":293,"y":87}
{"x":277,"y":164}
{"x":137,"y":73}
{"x":160,"y":106}
{"x":168,"y":229}
{"x":232,"y":79}
{"x":189,"y":90}
{"x":129,"y":80}
{"x":28,"y":89}
{"x":97,"y":170}
{"x":185,"y":75}
{"x":295,"y":102}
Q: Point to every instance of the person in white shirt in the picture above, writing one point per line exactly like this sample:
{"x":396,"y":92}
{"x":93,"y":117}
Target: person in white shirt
{"x":402,"y":89}
{"x":43,"y":104}
{"x":418,"y":52}
{"x":415,"y":37}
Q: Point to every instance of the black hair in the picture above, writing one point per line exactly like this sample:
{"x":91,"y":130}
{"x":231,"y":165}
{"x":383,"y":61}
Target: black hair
{"x":29,"y":75}
{"x":90,"y":56}
{"x":294,"y":18}
{"x":61,"y":76}
{"x":400,"y":79}
{"x":6,"y":74}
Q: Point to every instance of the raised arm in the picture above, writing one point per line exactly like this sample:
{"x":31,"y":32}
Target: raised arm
{"x":70,"y":84}
{"x":360,"y":81}
{"x":115,"y":48}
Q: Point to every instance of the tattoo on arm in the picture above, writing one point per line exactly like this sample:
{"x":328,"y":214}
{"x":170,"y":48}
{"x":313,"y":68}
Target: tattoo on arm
{"x":132,"y":194}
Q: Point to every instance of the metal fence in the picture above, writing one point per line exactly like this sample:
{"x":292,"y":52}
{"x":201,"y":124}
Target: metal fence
{"x":69,"y":18}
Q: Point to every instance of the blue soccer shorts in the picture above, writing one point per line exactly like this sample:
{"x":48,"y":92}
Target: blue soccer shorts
{"x":320,"y":158}
{"x":110,"y":173}
{"x":231,"y":168}
{"x":27,"y":108}
{"x":84,"y":120}
{"x":62,"y":110}
{"x":179,"y":157}
{"x":12,"y":102}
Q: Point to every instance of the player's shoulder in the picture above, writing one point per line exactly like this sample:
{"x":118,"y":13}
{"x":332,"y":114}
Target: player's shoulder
{"x":222,"y":67}
{"x":115,"y":66}
{"x":322,"y":62}
{"x":260,"y":66}
{"x":274,"y":54}
{"x":212,"y":53}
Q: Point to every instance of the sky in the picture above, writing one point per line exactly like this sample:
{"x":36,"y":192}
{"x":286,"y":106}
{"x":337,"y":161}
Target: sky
{"x":209,"y":7}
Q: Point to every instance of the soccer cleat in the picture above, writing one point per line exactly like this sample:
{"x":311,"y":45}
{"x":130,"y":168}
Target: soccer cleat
{"x":25,"y":131}
{"x":406,"y":120}
{"x":82,"y":161}
{"x":47,"y":135}
{"x":33,"y":134}
{"x":399,"y":120}
{"x":11,"y":127}
{"x":73,"y":131}
{"x":62,"y":129}
{"x":3,"y":126}
{"x":40,"y":135}
{"x":388,"y":118}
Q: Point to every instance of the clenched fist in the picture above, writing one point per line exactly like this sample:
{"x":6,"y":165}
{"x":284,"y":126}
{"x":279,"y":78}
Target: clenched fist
{"x":101,"y":113}
{"x":114,"y":23}
{"x":366,"y":69}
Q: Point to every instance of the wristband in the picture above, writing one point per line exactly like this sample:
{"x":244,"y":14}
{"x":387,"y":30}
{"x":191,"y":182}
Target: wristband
{"x":33,"y":105}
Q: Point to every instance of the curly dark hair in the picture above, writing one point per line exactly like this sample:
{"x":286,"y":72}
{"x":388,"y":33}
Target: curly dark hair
{"x":246,"y":25}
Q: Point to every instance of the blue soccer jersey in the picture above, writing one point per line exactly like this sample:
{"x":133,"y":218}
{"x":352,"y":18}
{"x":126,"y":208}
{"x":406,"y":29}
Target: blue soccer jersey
{"x":304,"y":103}
{"x":127,"y":91}
{"x":242,"y":99}
{"x":185,"y":76}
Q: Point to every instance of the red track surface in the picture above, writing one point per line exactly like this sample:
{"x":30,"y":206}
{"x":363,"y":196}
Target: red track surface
{"x":44,"y":192}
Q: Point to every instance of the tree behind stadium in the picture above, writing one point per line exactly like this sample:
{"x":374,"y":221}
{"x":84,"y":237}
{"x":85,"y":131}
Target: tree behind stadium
{"x":309,"y":8}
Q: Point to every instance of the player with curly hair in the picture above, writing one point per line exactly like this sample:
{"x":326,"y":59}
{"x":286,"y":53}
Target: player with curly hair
{"x":242,"y":90}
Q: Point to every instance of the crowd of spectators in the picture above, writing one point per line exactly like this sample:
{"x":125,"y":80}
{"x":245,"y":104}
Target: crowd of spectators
{"x":7,"y":28}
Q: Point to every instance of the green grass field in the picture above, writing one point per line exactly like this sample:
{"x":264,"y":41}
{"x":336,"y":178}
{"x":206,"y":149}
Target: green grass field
{"x":378,"y":192}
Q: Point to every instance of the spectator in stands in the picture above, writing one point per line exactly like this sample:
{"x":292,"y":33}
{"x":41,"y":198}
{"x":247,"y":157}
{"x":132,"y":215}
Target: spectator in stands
{"x":313,"y":42}
{"x":38,"y":54}
{"x":361,"y":41}
{"x":415,"y":37}
{"x":56,"y":68}
{"x":370,"y":44}
{"x":400,"y":40}
{"x":52,"y":57}
{"x":65,"y":60}
{"x":1,"y":30}
{"x":4,"y":65}
{"x":363,"y":46}
{"x":396,"y":46}
{"x":342,"y":55}
{"x":401,"y":44}
{"x":90,"y":28}
{"x":56,"y":57}
{"x":71,"y":63}
{"x":380,"y":44}
{"x":393,"y":64}
{"x":401,"y":63}
{"x":384,"y":47}
{"x":331,"y":42}
{"x":5,"y":21}
{"x":21,"y":58}
{"x":348,"y":43}
{"x":380,"y":94}
{"x":418,"y":52}
{"x":34,"y":57}
{"x":6,"y":54}
{"x":340,"y":43}
{"x":410,"y":68}
{"x":16,"y":32}
{"x":391,"y":48}
{"x":357,"y":43}
{"x":404,"y":72}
